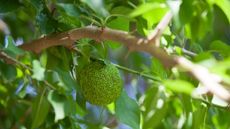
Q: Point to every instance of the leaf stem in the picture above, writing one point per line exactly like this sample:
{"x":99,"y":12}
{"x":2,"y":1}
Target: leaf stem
{"x":138,"y":73}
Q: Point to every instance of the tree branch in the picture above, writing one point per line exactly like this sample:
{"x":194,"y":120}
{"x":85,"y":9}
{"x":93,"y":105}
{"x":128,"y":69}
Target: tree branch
{"x":134,"y":43}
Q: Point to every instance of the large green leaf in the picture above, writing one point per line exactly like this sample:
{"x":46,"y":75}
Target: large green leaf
{"x":224,"y":5}
{"x":186,"y":11}
{"x":152,"y":12}
{"x":7,"y":71}
{"x":152,"y":121}
{"x":40,"y":110}
{"x":61,"y":105}
{"x":199,"y":117}
{"x":127,"y":111}
{"x":67,"y":81}
{"x":180,"y":86}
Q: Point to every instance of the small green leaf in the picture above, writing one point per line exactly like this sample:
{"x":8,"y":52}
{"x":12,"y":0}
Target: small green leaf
{"x":145,"y":8}
{"x":40,"y":110}
{"x":180,"y":86}
{"x":127,"y":111}
{"x":62,"y":106}
{"x":38,"y":71}
{"x":66,"y":79}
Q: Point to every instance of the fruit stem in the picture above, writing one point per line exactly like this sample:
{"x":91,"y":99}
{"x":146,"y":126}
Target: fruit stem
{"x":126,"y":69}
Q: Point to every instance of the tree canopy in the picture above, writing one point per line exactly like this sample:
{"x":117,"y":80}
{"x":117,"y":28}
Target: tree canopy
{"x":173,"y":57}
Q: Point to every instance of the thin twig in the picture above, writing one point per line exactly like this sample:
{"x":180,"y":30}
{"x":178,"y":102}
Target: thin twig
{"x":188,"y":52}
{"x":23,"y":65}
{"x":137,"y":72}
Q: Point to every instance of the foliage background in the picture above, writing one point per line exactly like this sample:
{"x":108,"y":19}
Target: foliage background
{"x":45,"y":94}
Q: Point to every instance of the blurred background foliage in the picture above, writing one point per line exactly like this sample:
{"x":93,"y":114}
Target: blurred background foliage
{"x":45,"y":94}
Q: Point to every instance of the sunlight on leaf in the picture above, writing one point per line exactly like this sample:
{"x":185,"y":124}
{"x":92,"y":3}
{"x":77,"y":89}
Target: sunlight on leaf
{"x":145,"y":8}
{"x":224,"y":5}
{"x":62,"y":106}
{"x":179,"y":86}
{"x":38,"y":71}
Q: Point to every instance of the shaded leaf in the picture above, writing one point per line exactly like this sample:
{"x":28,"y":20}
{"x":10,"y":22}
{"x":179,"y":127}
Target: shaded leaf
{"x":61,"y":105}
{"x":9,"y":5}
{"x":152,"y":121}
{"x":97,"y":6}
{"x":40,"y":110}
{"x":11,"y":47}
{"x":221,"y":47}
{"x":127,"y":111}
{"x":145,"y":8}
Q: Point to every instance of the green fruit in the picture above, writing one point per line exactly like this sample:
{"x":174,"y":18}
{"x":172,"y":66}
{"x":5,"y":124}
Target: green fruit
{"x":100,"y":83}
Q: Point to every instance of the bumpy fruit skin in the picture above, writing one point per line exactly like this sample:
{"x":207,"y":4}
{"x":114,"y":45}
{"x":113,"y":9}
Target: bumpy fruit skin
{"x":100,"y":83}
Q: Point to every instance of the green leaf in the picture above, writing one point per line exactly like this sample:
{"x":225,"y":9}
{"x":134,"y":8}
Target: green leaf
{"x":7,"y":71}
{"x":127,"y":111}
{"x":61,"y":105}
{"x":186,"y":11}
{"x":145,"y":8}
{"x":152,"y":12}
{"x":66,"y":79}
{"x":221,"y":47}
{"x":121,"y":10}
{"x":222,"y":68}
{"x":180,"y":86}
{"x":120,"y":23}
{"x":40,"y":110}
{"x":199,"y":117}
{"x":97,"y":6}
{"x":38,"y":71}
{"x":9,"y":5}
{"x":69,"y":9}
{"x":69,"y":16}
{"x":158,"y":69}
{"x":156,"y":118}
{"x":224,"y":5}
{"x":11,"y":47}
